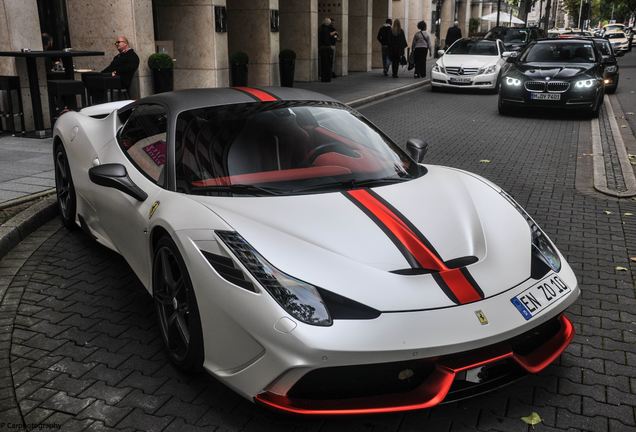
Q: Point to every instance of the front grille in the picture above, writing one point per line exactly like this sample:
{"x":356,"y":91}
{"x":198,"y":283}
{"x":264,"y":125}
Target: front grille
{"x":558,"y":86}
{"x":467,"y":71}
{"x":535,"y":86}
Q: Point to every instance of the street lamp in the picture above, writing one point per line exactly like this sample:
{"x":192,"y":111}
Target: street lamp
{"x":580,"y":13}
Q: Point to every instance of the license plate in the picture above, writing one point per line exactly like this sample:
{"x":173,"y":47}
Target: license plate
{"x":546,"y":96}
{"x":539,"y":296}
{"x":460,"y":79}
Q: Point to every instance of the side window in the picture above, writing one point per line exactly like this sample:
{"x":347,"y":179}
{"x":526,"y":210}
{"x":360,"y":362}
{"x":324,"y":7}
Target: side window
{"x":143,"y":140}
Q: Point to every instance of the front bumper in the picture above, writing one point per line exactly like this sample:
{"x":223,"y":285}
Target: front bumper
{"x":484,"y":81}
{"x":573,"y":98}
{"x":435,"y":380}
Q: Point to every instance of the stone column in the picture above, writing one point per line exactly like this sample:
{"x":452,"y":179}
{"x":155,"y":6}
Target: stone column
{"x":200,"y":52}
{"x":488,"y":9}
{"x":475,"y":11}
{"x":464,"y":16}
{"x":415,"y":15}
{"x":96,"y":25}
{"x":299,"y":32}
{"x":339,"y":12}
{"x":360,"y":35}
{"x":249,"y":31}
{"x":20,"y":28}
{"x":381,"y":11}
{"x":446,"y":21}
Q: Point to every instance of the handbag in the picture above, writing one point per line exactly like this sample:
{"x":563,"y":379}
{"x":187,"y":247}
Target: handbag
{"x":403,"y":61}
{"x":411,"y":60}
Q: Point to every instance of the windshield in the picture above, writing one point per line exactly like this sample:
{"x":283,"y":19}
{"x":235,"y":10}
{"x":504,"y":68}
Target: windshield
{"x":616,"y":36}
{"x":564,"y":52}
{"x":281,"y":149}
{"x":472,"y":47}
{"x":514,"y":36}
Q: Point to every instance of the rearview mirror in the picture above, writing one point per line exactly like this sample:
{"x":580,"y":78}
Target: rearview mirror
{"x":507,"y":54}
{"x":440,"y":53}
{"x":115,"y":176}
{"x":416,"y":149}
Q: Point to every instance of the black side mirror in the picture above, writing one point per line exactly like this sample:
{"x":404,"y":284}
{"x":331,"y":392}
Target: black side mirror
{"x":116,"y":176}
{"x":416,"y":149}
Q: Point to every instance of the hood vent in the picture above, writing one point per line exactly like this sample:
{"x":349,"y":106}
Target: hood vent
{"x":228,"y":271}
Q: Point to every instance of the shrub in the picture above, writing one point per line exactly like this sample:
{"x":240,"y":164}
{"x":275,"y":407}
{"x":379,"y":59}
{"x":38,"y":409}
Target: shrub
{"x":158,"y":61}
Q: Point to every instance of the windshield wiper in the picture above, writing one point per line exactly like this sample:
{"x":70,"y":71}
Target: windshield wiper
{"x":352,"y":184}
{"x":245,"y":189}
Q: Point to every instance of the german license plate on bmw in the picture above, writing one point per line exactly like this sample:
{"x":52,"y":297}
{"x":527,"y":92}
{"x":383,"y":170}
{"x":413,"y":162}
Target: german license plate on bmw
{"x":546,"y":96}
{"x":539,"y":296}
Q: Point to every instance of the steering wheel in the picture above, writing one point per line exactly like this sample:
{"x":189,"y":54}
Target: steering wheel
{"x":330,"y":147}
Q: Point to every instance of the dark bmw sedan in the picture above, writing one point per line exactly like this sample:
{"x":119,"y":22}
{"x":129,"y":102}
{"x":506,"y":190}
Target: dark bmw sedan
{"x":554,"y":73}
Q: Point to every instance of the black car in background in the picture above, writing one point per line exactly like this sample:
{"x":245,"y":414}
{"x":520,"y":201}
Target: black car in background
{"x":554,"y":73}
{"x":610,"y":64}
{"x":515,"y":38}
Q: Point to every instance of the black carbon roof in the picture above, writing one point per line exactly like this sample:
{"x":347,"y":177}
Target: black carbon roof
{"x":182,"y":100}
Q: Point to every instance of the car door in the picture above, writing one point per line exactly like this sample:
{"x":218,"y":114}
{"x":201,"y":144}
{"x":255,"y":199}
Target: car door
{"x":143,"y":141}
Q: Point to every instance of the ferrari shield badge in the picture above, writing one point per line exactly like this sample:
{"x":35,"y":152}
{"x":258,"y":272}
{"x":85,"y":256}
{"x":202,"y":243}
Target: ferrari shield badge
{"x":481,"y":317}
{"x":153,"y":209}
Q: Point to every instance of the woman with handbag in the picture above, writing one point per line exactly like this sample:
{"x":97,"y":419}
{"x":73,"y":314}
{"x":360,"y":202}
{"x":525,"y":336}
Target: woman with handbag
{"x":421,"y":44}
{"x":397,"y":43}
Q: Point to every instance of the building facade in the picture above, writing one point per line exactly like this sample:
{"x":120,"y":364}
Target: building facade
{"x":201,"y":35}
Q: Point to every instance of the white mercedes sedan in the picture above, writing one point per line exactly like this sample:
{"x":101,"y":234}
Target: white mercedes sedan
{"x":469,"y":63}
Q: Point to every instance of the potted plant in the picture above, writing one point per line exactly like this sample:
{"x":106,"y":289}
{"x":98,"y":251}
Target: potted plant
{"x":287,"y":65}
{"x":238,"y":68}
{"x":162,"y":72}
{"x":473,"y":26}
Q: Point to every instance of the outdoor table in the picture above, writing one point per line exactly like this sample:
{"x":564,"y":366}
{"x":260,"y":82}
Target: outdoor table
{"x":34,"y":85}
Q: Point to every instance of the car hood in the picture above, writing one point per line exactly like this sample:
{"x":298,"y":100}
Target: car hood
{"x":552,"y":71}
{"x":328,"y":241}
{"x":468,"y":61}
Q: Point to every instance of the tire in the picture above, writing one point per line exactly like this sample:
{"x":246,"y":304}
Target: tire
{"x":176,"y":307}
{"x":66,"y":198}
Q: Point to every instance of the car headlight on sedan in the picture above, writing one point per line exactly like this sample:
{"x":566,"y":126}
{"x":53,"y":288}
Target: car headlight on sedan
{"x":513,"y":82}
{"x":542,"y":247}
{"x":610,"y":69}
{"x":488,"y":70}
{"x":438,"y":68}
{"x":584,"y":83}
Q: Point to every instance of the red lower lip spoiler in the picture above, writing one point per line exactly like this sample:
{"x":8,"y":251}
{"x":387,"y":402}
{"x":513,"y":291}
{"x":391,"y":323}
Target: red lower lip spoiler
{"x":435,"y":388}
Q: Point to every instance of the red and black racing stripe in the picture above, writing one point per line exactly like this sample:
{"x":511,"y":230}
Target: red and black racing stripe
{"x":258,"y":94}
{"x":457,"y":283}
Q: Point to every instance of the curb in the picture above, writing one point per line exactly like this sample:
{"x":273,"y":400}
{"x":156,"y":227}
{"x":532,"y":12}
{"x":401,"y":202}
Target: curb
{"x":24,"y":223}
{"x":368,"y":99}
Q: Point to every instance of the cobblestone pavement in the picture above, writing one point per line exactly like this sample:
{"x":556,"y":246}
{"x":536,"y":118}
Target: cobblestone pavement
{"x":86,"y":354}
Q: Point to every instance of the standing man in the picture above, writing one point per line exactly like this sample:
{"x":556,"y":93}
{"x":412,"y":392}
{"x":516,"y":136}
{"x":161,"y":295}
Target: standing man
{"x":335,"y":37}
{"x":454,"y":33}
{"x":325,"y":54}
{"x":124,"y":64}
{"x":384,"y":37}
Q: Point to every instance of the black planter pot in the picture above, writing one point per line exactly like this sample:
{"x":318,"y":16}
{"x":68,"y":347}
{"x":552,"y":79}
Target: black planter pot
{"x":239,"y":75}
{"x":162,"y":80}
{"x":287,"y":68}
{"x":326,"y":57}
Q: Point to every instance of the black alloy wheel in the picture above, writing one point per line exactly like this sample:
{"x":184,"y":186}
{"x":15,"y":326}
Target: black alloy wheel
{"x":176,"y":307}
{"x":503,"y":108}
{"x":66,"y":199}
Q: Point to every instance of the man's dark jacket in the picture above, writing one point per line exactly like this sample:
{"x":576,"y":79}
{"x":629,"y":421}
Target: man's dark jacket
{"x":324,"y":39}
{"x":452,"y":35}
{"x":384,"y":35}
{"x":125,"y":64}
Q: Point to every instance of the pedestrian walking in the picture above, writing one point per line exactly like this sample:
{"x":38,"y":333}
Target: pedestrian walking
{"x":452,"y":34}
{"x":397,"y":43}
{"x":384,"y":37}
{"x":421,"y":46}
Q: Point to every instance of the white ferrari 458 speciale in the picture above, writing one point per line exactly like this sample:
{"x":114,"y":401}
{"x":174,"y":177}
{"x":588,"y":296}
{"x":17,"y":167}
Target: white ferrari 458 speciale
{"x":304,"y":259}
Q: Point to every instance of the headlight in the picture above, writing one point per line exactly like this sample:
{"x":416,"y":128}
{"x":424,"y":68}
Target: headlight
{"x":488,"y":70}
{"x":610,"y":69}
{"x":439,"y":68}
{"x":514,"y":82}
{"x":542,"y":247}
{"x":298,"y":298}
{"x":584,"y":83}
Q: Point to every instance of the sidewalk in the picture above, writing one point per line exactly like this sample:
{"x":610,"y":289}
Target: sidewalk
{"x":26,"y":165}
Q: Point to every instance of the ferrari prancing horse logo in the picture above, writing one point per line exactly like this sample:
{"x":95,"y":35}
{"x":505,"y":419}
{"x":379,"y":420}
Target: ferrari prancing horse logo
{"x":481,"y":317}
{"x":153,"y":209}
